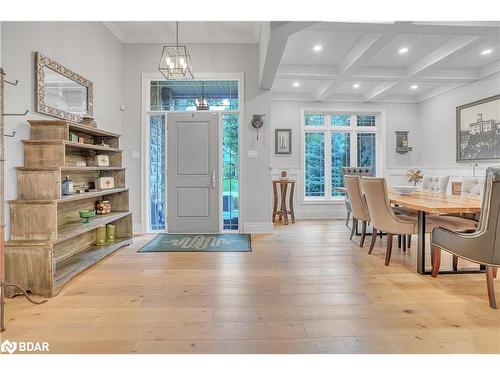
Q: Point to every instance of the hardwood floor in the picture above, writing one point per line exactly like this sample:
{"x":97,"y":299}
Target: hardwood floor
{"x":304,"y":289}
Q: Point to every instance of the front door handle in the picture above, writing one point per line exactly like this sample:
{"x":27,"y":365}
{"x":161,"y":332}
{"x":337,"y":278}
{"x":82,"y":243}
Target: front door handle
{"x":212,"y":180}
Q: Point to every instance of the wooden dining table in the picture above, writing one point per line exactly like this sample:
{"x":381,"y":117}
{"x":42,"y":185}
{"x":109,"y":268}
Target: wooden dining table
{"x":432,"y":203}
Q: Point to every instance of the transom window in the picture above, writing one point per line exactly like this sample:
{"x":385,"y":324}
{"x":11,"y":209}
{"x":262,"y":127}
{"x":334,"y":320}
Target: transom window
{"x":333,"y":141}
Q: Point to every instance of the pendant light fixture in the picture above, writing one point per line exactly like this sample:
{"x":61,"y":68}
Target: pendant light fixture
{"x":202,"y":103}
{"x":175,"y":61}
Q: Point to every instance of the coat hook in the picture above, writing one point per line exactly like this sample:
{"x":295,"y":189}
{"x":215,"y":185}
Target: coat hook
{"x":17,"y":114}
{"x":12,"y":83}
{"x":13,"y":134}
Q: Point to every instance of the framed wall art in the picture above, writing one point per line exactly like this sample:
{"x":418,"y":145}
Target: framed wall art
{"x":478,"y":130}
{"x":283,"y":141}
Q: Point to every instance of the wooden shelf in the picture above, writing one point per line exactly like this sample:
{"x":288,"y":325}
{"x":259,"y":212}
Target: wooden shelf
{"x":49,"y":242}
{"x":90,"y":194}
{"x":92,"y":131}
{"x":71,"y":198}
{"x":70,"y":267}
{"x":70,"y":144}
{"x":75,"y":127}
{"x":75,"y":228}
{"x":70,"y":169}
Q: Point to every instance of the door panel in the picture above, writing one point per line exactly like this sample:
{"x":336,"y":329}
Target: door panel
{"x":193,"y":202}
{"x":193,"y":172}
{"x":196,"y":136}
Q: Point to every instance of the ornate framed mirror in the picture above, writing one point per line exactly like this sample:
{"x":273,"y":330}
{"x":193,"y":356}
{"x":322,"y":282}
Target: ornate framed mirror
{"x":60,"y":92}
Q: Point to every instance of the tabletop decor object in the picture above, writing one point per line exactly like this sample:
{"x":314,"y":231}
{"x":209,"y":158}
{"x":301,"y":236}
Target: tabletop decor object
{"x":103,"y":207}
{"x":404,"y":190}
{"x":414,"y":176}
{"x":87,"y":214}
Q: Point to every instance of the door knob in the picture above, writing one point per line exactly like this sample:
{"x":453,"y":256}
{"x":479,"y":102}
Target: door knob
{"x":212,"y":180}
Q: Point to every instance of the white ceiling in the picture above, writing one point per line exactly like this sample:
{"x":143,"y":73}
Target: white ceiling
{"x":189,"y":31}
{"x":441,"y":56}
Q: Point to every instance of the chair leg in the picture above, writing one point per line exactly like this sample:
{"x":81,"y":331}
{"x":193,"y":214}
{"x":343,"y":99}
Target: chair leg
{"x":399,"y":241}
{"x":403,"y":239}
{"x":354,"y":225}
{"x":455,"y":263}
{"x":408,"y":240}
{"x":347,"y":218}
{"x":490,"y":287}
{"x":380,"y":234}
{"x":389,"y":249}
{"x":436,"y":260}
{"x":374,"y":238}
{"x":363,"y":234}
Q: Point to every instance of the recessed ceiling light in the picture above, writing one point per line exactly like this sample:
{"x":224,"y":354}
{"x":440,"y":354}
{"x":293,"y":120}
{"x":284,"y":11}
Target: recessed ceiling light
{"x":296,"y":84}
{"x":487,"y":51}
{"x":356,"y":86}
{"x":403,"y":50}
{"x":317,"y":48}
{"x":414,"y":87}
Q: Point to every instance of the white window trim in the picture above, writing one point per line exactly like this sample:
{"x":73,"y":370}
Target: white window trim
{"x":353,"y":129}
{"x":145,"y":113}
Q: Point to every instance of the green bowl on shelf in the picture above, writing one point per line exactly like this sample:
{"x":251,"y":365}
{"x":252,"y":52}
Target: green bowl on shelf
{"x":87,"y":214}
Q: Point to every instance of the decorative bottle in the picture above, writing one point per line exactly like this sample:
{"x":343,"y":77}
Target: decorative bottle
{"x":67,"y":186}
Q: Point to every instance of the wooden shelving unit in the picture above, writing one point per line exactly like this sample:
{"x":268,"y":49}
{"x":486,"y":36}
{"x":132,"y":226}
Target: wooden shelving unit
{"x":50,"y":243}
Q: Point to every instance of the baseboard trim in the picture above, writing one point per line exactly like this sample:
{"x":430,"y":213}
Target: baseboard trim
{"x":258,"y":227}
{"x":137,"y":228}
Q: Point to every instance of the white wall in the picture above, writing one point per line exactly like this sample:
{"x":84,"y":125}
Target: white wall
{"x":207,"y":58}
{"x":85,"y":47}
{"x":438,"y":120}
{"x":436,"y":127}
{"x":287,"y":114}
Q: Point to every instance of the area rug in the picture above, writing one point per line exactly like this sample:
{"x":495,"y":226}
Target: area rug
{"x":164,"y":242}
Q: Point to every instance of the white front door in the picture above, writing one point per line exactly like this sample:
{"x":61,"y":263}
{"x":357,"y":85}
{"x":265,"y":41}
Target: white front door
{"x":193,"y":172}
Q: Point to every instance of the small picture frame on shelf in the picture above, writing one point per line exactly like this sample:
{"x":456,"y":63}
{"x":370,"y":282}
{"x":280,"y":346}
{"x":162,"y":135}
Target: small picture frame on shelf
{"x":283,"y":141}
{"x":102,"y":160}
{"x":104,"y":183}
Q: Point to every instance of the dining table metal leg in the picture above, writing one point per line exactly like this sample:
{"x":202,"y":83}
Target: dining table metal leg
{"x":421,"y":243}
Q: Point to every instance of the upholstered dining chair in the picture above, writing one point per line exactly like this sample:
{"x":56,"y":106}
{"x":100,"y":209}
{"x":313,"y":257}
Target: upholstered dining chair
{"x":435,"y":184}
{"x":358,"y":171}
{"x":358,"y":205}
{"x":383,"y":218}
{"x":472,"y":187}
{"x":481,"y":246}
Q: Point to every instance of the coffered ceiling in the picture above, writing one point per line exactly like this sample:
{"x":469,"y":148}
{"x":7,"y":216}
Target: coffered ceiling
{"x":390,"y":61}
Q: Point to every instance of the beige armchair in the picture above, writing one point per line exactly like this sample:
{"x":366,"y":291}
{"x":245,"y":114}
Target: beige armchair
{"x":383,"y":217}
{"x":358,"y":205}
{"x":481,"y":246}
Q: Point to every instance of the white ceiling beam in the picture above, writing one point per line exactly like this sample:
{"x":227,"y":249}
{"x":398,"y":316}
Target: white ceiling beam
{"x":293,"y":71}
{"x":379,"y":90}
{"x":490,"y":69}
{"x":273,"y":39}
{"x":447,"y":50}
{"x":446,"y":75}
{"x":445,"y":87}
{"x":354,"y":57}
{"x":460,"y":28}
{"x":322,"y":88}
